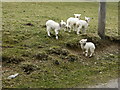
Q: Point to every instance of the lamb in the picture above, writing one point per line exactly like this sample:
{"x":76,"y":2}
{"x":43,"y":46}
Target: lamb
{"x":77,"y":16}
{"x":87,"y":46}
{"x":82,"y":24}
{"x":71,"y":22}
{"x":50,"y":24}
{"x":63,"y":25}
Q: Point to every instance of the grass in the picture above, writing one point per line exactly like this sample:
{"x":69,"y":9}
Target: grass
{"x":45,"y":62}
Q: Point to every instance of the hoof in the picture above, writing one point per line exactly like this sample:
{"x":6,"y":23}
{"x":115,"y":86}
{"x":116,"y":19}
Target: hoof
{"x":90,"y":56}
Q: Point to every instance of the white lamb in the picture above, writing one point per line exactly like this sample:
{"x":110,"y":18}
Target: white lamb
{"x":50,"y":24}
{"x":82,"y":24}
{"x":71,"y":22}
{"x":87,"y":46}
{"x":77,"y":16}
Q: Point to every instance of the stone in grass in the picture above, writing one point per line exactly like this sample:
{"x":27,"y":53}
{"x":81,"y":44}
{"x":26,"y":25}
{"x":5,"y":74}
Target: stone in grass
{"x":41,"y":56}
{"x":28,"y":67}
{"x":13,"y":76}
{"x":72,"y":58}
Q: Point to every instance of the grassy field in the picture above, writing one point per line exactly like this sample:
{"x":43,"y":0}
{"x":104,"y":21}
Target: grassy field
{"x":44,"y":62}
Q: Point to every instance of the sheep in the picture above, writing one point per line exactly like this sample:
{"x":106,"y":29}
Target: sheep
{"x":77,"y":16}
{"x":63,"y":25}
{"x":71,"y":22}
{"x":50,"y":24}
{"x":82,"y":24}
{"x":87,"y":46}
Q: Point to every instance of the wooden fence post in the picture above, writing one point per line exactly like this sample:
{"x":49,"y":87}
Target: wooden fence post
{"x":102,"y":19}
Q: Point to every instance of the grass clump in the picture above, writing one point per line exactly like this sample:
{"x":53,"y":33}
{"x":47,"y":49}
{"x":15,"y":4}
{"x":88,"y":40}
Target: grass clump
{"x":57,"y":50}
{"x":12,"y":59}
{"x":74,"y":43}
{"x":28,"y":67}
{"x":72,"y":58}
{"x":41,"y":56}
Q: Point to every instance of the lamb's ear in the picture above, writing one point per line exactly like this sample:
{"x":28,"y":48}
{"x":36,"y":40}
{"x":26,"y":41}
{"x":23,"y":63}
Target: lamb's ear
{"x":85,"y":18}
{"x":75,"y":14}
{"x":80,"y":14}
{"x":85,"y":39}
{"x":61,"y":20}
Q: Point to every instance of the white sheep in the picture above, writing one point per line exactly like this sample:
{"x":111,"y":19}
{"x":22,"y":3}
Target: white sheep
{"x":77,"y":16}
{"x":71,"y":22}
{"x":50,"y":24}
{"x":63,"y":25}
{"x":82,"y":24}
{"x":87,"y":46}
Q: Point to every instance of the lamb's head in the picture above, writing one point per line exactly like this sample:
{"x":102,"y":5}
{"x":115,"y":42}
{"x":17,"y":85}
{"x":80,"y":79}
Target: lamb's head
{"x":87,"y":19}
{"x":77,"y":16}
{"x":83,"y":41}
{"x":63,"y":24}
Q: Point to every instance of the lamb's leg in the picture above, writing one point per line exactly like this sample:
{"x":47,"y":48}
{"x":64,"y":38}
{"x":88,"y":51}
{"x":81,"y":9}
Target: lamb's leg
{"x":75,"y":27}
{"x":69,"y":28}
{"x":48,"y":31}
{"x":84,"y":30}
{"x":86,"y":52}
{"x":92,"y":51}
{"x":56,"y":33}
{"x":78,"y":31}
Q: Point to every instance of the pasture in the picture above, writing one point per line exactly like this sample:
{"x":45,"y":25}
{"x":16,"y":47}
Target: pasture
{"x":44,"y":62}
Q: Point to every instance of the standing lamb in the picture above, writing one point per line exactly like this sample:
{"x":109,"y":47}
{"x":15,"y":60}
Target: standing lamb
{"x":87,"y":46}
{"x":82,"y":24}
{"x":77,"y":16}
{"x":71,"y":22}
{"x":50,"y":24}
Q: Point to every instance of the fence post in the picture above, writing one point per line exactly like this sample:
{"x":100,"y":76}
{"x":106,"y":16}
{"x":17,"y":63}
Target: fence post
{"x":102,"y":19}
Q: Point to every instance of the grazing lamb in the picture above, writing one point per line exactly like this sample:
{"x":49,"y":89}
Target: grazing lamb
{"x":71,"y":22}
{"x":50,"y":24}
{"x":82,"y":24}
{"x":87,"y":46}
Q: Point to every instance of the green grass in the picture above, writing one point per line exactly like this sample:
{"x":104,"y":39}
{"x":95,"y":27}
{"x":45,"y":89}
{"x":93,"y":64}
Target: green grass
{"x":30,"y":45}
